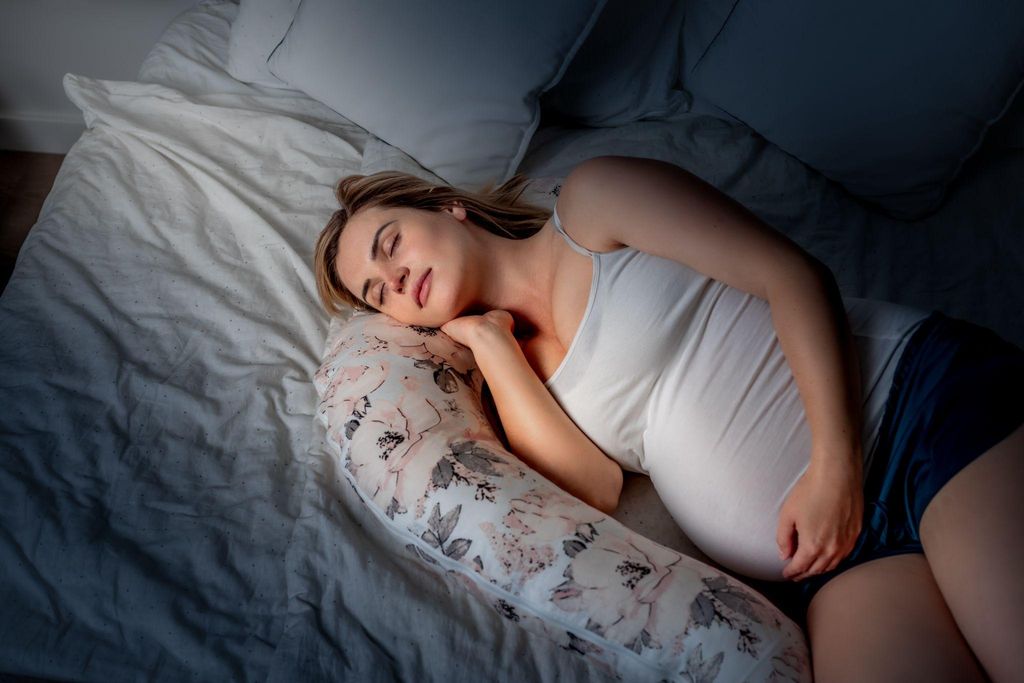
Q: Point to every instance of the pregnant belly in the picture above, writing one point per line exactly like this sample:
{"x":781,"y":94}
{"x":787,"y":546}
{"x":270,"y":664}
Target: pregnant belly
{"x":723,"y":478}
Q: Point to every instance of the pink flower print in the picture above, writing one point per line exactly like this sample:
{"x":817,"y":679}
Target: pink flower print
{"x":422,"y":343}
{"x":382,"y":438}
{"x":347,"y":386}
{"x":394,"y":451}
{"x":456,"y":355}
{"x":518,"y":556}
{"x":619,"y":585}
{"x":411,"y":384}
{"x":344,"y":338}
{"x":550,"y":514}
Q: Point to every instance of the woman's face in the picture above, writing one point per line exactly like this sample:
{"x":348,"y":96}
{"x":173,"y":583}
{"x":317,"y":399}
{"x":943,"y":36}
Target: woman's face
{"x":386,"y":256}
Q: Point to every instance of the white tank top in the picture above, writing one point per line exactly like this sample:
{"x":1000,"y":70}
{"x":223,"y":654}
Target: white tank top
{"x":681,"y":377}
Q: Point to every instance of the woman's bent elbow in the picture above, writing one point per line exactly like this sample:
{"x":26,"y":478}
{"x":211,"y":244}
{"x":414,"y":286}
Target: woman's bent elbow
{"x":611,"y":502}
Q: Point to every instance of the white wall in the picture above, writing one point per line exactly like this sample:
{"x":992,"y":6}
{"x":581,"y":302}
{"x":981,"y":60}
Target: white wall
{"x":44,"y":39}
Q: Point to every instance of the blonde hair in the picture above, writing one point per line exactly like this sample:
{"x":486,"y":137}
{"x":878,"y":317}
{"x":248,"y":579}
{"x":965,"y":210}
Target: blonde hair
{"x":494,"y":209}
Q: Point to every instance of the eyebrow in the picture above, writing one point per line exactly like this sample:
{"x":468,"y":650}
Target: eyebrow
{"x":373,"y":256}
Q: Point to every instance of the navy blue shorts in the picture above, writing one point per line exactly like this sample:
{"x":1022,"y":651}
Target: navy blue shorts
{"x":955,"y":393}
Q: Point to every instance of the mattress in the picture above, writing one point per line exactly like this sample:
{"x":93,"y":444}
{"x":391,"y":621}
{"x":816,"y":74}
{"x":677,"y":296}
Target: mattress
{"x":172,"y":509}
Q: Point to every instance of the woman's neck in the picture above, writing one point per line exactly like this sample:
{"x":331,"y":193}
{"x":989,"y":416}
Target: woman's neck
{"x":517,"y":276}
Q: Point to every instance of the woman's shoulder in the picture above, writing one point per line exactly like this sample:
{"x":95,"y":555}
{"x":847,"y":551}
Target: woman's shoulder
{"x":583,"y":226}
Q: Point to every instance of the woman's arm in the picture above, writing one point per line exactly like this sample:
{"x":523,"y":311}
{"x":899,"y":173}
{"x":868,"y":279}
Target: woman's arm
{"x":538,"y":430}
{"x":825,"y":507}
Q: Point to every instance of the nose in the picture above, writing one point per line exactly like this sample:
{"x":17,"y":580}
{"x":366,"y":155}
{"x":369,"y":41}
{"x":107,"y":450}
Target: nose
{"x":398,"y":280}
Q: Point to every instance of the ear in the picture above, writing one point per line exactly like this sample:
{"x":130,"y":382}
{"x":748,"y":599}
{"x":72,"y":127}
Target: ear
{"x":457,"y":210}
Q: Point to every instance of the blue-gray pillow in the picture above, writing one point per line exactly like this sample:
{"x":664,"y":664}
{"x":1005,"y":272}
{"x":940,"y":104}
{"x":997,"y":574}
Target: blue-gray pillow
{"x":627,"y":69}
{"x":455,"y":84}
{"x":887,"y":99}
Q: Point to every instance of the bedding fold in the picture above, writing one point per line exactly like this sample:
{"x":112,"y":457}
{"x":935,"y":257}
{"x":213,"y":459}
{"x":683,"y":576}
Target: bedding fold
{"x":157,"y":340}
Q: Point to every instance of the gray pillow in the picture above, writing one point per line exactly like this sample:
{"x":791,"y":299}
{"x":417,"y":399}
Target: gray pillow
{"x":887,"y":99}
{"x":453,"y":83}
{"x":257,"y":29}
{"x":627,"y":69}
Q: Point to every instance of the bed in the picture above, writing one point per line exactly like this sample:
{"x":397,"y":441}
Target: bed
{"x":171,"y":509}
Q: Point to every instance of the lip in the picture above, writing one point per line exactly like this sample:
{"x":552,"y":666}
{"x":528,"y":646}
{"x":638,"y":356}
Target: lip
{"x":422,"y":288}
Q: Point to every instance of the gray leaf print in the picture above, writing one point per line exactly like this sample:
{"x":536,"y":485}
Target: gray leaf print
{"x":716,"y":583}
{"x":350,"y":428}
{"x":441,"y":476}
{"x":567,"y":590}
{"x":587,"y":531}
{"x":431,"y":365}
{"x":700,"y":671}
{"x":635,"y":645}
{"x":433,"y":523}
{"x":361,"y":412}
{"x":702,"y":610}
{"x":478,"y":563}
{"x":572,"y":548}
{"x":431,"y":538}
{"x":443,"y":526}
{"x":738,"y":602}
{"x":643,"y":640}
{"x":475,"y":457}
{"x":446,"y":379}
{"x":394,"y":507}
{"x":457,"y":548}
{"x":595,"y":627}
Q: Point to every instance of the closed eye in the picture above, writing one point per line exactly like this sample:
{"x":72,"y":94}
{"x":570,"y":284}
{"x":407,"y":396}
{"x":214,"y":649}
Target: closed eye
{"x":394,"y":245}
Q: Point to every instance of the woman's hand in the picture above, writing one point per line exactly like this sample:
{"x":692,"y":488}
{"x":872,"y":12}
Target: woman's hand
{"x":469,"y":330}
{"x":824,"y":510}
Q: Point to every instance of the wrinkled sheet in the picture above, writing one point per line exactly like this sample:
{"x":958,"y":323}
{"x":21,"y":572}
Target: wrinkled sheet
{"x":170,"y":508}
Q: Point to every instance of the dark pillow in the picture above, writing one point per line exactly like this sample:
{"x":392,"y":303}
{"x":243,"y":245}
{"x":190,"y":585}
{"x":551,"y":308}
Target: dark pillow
{"x":887,"y":99}
{"x":627,"y":69}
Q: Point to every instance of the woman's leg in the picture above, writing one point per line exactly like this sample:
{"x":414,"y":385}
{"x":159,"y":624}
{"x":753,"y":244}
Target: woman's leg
{"x":885,"y":620}
{"x":973,"y":536}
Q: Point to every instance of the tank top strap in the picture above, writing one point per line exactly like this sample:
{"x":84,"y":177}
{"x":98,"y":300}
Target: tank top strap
{"x":572,"y":243}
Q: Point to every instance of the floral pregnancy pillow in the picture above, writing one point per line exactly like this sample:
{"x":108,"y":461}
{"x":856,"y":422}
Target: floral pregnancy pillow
{"x":401,"y":406}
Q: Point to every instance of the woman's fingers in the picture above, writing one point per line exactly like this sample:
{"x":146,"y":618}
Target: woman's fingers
{"x":802,"y":561}
{"x":820,"y":566}
{"x":785,"y":537}
{"x":818,"y":563}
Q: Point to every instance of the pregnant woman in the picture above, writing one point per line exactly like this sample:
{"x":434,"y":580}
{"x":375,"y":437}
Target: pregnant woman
{"x":871,"y":453}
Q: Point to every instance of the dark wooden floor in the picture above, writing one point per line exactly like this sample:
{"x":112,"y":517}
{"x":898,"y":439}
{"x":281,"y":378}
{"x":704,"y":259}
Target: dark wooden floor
{"x":25,"y":180}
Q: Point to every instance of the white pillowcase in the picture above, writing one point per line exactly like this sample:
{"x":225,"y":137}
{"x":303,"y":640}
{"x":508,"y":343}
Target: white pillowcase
{"x":401,"y":407}
{"x":453,"y":83}
{"x":256,"y":31}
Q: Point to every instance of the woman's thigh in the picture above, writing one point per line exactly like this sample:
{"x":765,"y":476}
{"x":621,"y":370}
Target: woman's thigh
{"x":886,"y":620}
{"x":973,"y":536}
